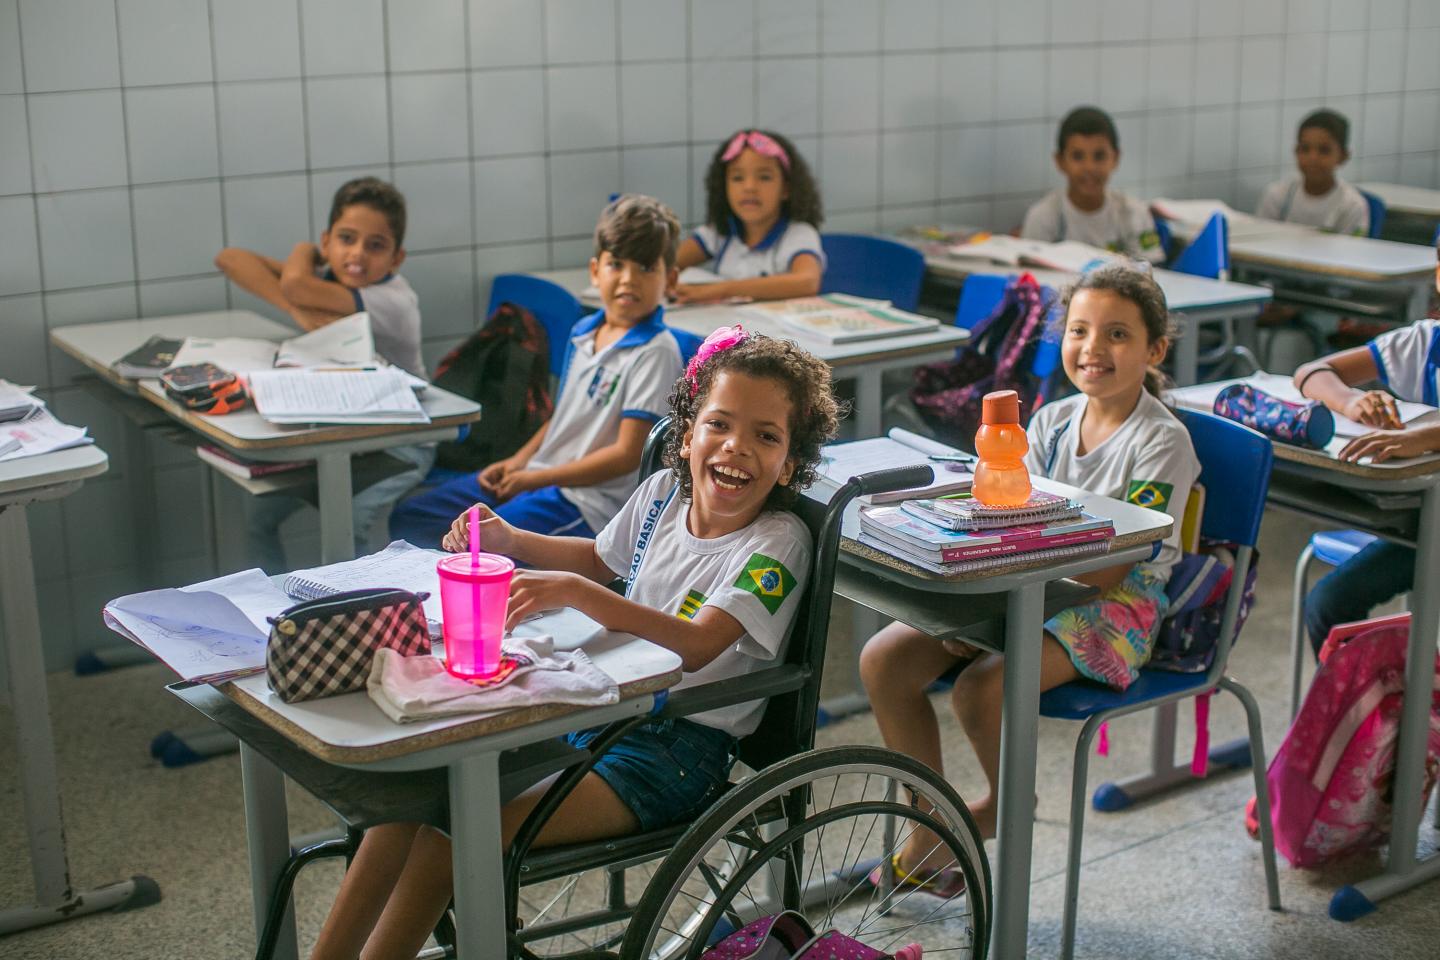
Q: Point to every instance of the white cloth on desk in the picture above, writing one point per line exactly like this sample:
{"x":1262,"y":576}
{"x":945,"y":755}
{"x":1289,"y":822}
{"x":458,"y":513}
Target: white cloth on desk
{"x":418,"y":688}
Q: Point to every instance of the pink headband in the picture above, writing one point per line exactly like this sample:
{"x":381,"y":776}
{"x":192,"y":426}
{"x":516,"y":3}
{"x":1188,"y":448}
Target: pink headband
{"x":760,"y":143}
{"x":718,"y":342}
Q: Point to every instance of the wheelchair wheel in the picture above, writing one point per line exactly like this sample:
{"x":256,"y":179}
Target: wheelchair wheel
{"x":816,"y":834}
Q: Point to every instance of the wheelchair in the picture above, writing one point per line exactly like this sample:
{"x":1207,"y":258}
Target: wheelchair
{"x":808,"y":830}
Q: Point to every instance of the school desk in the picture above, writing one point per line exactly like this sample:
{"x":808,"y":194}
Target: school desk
{"x":1313,"y":482}
{"x":351,"y":732}
{"x":1411,"y":213}
{"x":863,"y":361}
{"x":245,"y":432}
{"x":1196,"y":300}
{"x":22,"y":482}
{"x":905,"y":592}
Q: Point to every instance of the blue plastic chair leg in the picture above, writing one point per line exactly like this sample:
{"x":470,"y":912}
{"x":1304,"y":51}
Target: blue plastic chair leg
{"x":1078,"y":779}
{"x":1349,"y":904}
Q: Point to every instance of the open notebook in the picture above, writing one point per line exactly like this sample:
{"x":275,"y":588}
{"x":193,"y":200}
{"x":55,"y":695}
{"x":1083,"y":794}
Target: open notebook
{"x":898,"y":448}
{"x":347,"y":342}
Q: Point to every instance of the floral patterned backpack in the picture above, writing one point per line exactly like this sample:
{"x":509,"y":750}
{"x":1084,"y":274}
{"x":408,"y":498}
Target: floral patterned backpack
{"x":788,"y":936}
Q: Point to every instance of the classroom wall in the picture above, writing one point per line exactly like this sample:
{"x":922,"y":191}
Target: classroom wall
{"x":137,"y":137}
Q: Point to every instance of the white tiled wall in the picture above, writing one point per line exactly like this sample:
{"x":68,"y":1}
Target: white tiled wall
{"x":139,"y":136}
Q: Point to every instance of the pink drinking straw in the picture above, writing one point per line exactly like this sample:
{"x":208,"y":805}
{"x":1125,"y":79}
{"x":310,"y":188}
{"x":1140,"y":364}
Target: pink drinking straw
{"x":475,"y":537}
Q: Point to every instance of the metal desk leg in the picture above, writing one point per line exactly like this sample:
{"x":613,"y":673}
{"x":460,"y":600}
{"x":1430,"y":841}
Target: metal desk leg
{"x":1402,"y":870}
{"x":55,"y":900}
{"x":475,"y":842}
{"x":1024,"y":626}
{"x":868,"y":399}
{"x":267,"y":832}
{"x":337,"y":524}
{"x":1187,"y":354}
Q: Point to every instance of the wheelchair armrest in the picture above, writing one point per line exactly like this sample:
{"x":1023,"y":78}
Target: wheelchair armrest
{"x":761,"y":685}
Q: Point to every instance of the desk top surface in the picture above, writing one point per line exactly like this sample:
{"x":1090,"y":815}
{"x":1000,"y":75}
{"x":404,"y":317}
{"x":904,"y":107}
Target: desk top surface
{"x":351,"y":729}
{"x":1359,"y":258}
{"x":702,"y":319}
{"x":52,"y":469}
{"x":99,"y":345}
{"x":1201,"y":397}
{"x":1406,"y":199}
{"x":1182,"y":290}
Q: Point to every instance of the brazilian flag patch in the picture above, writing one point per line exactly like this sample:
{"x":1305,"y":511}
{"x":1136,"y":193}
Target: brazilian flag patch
{"x":1149,"y":493}
{"x":1149,"y":240}
{"x":691,"y":605}
{"x":768,"y":579}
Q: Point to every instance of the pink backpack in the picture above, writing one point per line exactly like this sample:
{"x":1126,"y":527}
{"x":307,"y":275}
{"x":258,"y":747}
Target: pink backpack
{"x":1331,"y":782}
{"x":787,"y":936}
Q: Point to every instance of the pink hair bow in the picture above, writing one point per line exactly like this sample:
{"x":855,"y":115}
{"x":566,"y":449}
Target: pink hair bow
{"x":718,"y":342}
{"x":761,"y":143}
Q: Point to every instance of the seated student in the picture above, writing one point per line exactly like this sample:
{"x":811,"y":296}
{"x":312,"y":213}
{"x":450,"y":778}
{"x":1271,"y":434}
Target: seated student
{"x":574,"y":474}
{"x":1115,"y":438}
{"x":1087,"y":152}
{"x":762,"y":223}
{"x":1317,"y":197}
{"x":1407,"y":361}
{"x":750,"y":415}
{"x":353,"y":269}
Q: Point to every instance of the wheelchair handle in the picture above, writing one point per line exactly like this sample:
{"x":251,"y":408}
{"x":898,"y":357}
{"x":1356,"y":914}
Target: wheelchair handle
{"x":896,"y":478}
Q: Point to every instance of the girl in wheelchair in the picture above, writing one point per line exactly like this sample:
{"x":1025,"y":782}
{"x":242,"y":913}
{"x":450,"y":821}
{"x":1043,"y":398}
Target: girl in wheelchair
{"x":1116,"y":438}
{"x":715,"y":566}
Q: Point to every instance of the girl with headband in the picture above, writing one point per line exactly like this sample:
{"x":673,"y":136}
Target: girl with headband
{"x":762,"y":217}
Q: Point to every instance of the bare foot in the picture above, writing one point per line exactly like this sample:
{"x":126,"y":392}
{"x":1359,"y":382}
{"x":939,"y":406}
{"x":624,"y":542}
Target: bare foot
{"x":985,"y":811}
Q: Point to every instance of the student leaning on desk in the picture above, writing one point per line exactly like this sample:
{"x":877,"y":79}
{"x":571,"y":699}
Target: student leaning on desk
{"x":717,"y":568}
{"x":1407,"y":362}
{"x":352,"y":269}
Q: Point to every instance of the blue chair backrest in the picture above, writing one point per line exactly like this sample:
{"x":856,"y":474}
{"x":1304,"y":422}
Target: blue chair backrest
{"x":1167,"y":238}
{"x":980,"y":295}
{"x":1208,"y":255}
{"x":872,"y":267}
{"x":1235,"y":471}
{"x":1377,"y":213}
{"x":556,"y":308}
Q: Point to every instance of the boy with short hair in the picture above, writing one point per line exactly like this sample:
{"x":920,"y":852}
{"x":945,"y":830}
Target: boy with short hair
{"x":352,"y":269}
{"x":1087,"y":152}
{"x":581,"y":466}
{"x":1318,"y":197}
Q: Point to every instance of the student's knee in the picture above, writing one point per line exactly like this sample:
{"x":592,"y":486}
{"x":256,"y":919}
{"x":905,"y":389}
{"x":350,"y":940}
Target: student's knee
{"x":885,"y":667}
{"x":979,"y":688}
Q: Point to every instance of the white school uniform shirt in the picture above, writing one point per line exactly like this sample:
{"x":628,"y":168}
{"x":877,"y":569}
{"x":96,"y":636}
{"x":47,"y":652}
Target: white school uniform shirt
{"x":631,"y":378}
{"x":394,"y":310}
{"x":1408,"y":359}
{"x":731,"y":259}
{"x":1148,"y":461}
{"x":756,"y":574}
{"x":1121,"y":225}
{"x":1340,"y":210}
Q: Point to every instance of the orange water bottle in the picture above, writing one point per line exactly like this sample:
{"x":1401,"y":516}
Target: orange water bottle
{"x":1001,"y":479}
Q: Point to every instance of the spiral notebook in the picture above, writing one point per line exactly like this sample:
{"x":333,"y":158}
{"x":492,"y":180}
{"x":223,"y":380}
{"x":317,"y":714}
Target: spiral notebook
{"x":984,"y":563}
{"x":400,"y":565}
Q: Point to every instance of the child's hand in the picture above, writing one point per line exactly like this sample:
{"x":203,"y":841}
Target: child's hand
{"x":533,"y":592}
{"x":516,"y":482}
{"x":1374,"y":408}
{"x":493,"y":474}
{"x":1388,"y":444}
{"x":496,"y":536}
{"x":696,"y":292}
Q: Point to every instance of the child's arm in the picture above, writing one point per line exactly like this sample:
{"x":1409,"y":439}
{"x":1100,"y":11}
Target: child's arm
{"x":801,"y":280}
{"x":597,"y":466}
{"x":316,"y":301}
{"x":1387,"y":445}
{"x":1329,"y":380}
{"x":690,"y":254}
{"x":253,"y":273}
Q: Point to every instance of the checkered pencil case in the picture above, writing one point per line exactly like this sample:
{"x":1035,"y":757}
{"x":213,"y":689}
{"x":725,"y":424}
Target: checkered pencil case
{"x":323,"y":647}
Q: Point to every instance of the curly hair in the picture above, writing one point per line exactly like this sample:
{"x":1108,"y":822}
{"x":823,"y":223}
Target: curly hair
{"x":814,"y":411}
{"x":802,"y":205}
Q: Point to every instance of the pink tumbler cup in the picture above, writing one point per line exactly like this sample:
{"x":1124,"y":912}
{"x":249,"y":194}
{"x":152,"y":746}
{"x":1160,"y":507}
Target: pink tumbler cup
{"x":474,"y":595}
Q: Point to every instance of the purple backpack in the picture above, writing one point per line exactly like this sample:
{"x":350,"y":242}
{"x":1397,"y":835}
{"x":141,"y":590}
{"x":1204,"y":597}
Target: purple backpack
{"x":1332,"y":780}
{"x":999,"y":356}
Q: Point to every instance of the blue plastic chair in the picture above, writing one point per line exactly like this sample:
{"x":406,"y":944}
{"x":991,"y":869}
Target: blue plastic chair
{"x":1167,"y":238}
{"x":978,"y":298}
{"x":875,"y":267}
{"x":1328,"y":546}
{"x":1377,"y":213}
{"x":556,"y":308}
{"x":1208,"y":255}
{"x":1236,"y":460}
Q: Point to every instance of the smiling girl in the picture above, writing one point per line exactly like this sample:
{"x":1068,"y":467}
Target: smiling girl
{"x":716,"y":569}
{"x":1114,"y":438}
{"x":762,"y":219}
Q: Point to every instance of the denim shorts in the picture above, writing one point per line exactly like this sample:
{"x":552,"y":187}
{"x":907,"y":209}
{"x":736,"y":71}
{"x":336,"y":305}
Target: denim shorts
{"x":665,"y":771}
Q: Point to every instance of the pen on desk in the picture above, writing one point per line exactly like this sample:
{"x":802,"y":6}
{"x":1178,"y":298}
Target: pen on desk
{"x":953,"y":457}
{"x":342,"y":369}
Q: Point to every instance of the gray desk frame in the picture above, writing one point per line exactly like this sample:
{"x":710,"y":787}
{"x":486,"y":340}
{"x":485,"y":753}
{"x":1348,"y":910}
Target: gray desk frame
{"x":22,"y":482}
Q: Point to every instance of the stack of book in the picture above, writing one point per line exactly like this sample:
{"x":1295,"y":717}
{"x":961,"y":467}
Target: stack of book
{"x":958,"y":534}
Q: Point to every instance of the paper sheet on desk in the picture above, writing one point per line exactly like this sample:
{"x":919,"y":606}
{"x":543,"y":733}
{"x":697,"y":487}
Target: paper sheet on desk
{"x":38,"y":433}
{"x":347,"y":342}
{"x":1283,"y":388}
{"x":400,"y":565}
{"x":899,"y":448}
{"x":207,"y":631}
{"x":17,"y":402}
{"x":357,"y":396}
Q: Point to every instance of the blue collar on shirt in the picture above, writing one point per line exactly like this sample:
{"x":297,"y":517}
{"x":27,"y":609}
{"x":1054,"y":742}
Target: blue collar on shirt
{"x":638,"y":335}
{"x":767,"y":241}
